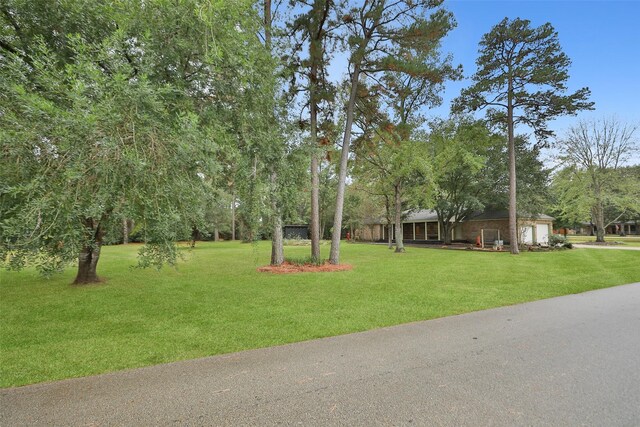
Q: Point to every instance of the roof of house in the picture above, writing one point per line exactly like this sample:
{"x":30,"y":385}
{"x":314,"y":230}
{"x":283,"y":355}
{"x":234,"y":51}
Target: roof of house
{"x":588,"y":224}
{"x":422,"y":215}
{"x":431,"y":215}
{"x":488,"y":215}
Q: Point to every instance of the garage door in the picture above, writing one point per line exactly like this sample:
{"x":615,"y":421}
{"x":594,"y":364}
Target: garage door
{"x":526,"y":234}
{"x":542,"y":234}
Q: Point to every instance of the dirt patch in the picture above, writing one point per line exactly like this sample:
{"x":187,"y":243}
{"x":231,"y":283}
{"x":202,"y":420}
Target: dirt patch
{"x":288,"y":267}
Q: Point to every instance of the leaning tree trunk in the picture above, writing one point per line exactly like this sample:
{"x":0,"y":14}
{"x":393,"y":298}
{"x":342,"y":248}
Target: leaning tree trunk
{"x":334,"y":256}
{"x":399,"y":229}
{"x":89,"y":256}
{"x":513,"y":221}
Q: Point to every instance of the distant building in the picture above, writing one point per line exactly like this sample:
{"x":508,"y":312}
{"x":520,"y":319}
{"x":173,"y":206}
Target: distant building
{"x":296,"y":231}
{"x":626,"y":228}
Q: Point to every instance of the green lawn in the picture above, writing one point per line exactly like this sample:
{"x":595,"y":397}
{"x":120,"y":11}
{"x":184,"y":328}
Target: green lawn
{"x":216,"y":302}
{"x":630,"y":240}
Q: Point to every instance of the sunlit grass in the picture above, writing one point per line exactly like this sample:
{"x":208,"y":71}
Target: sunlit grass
{"x":216,"y":302}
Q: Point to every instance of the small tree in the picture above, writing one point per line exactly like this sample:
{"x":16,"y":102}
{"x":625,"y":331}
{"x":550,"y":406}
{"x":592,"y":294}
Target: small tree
{"x":514,"y":61}
{"x":595,"y":152}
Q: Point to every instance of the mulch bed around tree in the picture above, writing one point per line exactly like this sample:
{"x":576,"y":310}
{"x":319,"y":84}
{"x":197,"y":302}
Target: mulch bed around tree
{"x":288,"y":267}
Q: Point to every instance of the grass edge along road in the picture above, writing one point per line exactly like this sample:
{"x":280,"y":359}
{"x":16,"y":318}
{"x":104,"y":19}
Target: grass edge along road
{"x":630,"y":240}
{"x":216,"y":302}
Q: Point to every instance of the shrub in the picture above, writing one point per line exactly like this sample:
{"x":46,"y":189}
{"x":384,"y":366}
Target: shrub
{"x":557,"y":240}
{"x":304,"y":261}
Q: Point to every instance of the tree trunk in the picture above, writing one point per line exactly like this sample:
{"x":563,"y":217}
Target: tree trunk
{"x":513,"y":221}
{"x":233,"y":216}
{"x":195,"y":233}
{"x":87,"y":263}
{"x":446,"y":230}
{"x":267,"y":24}
{"x":334,"y":256}
{"x":216,"y":234}
{"x":315,"y":178}
{"x":277,"y":246}
{"x":399,"y":229}
{"x":125,"y":231}
{"x":387,"y":209}
{"x":598,"y":214}
{"x":598,"y":211}
{"x":89,"y":256}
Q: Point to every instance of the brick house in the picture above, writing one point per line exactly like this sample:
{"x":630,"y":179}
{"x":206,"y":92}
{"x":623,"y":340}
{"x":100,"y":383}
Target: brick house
{"x":422,"y":226}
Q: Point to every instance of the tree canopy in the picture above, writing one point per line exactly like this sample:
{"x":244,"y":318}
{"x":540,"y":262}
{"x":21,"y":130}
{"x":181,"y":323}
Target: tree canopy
{"x":595,"y":185}
{"x":116,"y":112}
{"x":521,"y":79}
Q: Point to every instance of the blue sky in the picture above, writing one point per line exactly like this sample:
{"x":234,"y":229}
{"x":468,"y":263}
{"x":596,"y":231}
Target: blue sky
{"x":602,"y":38}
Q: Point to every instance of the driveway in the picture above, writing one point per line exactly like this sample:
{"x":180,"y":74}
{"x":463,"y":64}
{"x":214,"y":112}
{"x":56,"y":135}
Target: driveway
{"x":626,"y":248}
{"x":573,"y":360}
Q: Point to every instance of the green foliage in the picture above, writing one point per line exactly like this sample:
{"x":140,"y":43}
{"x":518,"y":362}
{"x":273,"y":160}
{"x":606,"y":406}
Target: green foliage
{"x":524,"y":69}
{"x":595,"y":185}
{"x":118,"y":112}
{"x":302,"y":261}
{"x":571,"y":203}
{"x":557,"y":240}
{"x":532,"y":177}
{"x":460,"y":148}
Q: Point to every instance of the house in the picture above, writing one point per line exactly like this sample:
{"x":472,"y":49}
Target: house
{"x":422,"y":226}
{"x":620,"y":228}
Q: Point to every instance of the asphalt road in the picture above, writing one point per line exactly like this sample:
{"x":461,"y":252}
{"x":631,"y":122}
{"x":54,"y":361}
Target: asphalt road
{"x":573,"y":360}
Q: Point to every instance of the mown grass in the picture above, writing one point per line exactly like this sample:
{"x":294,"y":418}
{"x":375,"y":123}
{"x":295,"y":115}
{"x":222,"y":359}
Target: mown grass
{"x":216,"y":302}
{"x":629,"y":240}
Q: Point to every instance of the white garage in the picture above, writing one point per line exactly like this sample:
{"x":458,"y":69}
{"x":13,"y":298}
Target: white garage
{"x":526,"y":235}
{"x":542,"y":234}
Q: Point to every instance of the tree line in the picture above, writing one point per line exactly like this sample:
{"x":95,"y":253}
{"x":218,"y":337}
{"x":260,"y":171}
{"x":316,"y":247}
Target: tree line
{"x":167,"y":120}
